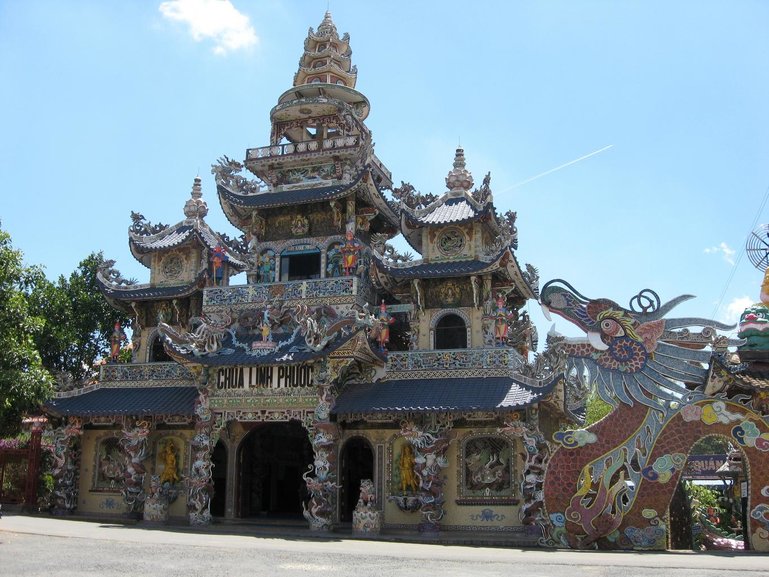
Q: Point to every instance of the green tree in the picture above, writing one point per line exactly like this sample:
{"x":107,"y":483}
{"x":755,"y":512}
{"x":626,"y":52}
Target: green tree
{"x":596,"y":408}
{"x":24,"y":381}
{"x":78,"y":320}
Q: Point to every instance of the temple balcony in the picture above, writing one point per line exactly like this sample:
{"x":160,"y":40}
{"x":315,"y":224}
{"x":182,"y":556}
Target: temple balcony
{"x":296,"y":152}
{"x":457,"y":363}
{"x":333,"y":290}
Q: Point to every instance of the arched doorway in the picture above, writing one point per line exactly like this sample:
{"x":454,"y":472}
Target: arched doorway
{"x":707,"y":510}
{"x":272,"y":459}
{"x":356,"y":464}
{"x":450,"y":333}
{"x":219,"y":479}
{"x":158,"y":352}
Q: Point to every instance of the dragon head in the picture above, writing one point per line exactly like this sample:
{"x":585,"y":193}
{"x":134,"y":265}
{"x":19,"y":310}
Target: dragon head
{"x":638,"y":344}
{"x":618,"y":338}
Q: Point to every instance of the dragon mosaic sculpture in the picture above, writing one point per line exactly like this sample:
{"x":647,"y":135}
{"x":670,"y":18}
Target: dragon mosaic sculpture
{"x":323,"y":434}
{"x":226,"y":171}
{"x":199,"y":482}
{"x":134,"y":443}
{"x":430,"y":444}
{"x":64,"y":467}
{"x":610,"y":485}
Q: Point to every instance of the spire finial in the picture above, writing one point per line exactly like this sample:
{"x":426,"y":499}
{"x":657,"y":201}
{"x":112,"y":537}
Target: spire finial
{"x":459,"y":178}
{"x":196,"y":207}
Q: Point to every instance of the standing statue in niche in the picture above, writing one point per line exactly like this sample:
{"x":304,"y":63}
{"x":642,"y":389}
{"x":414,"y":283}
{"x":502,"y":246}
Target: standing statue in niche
{"x":170,"y":473}
{"x":334,"y":260}
{"x":218,"y":258}
{"x":384,"y":320}
{"x":409,"y":480}
{"x":117,"y":339}
{"x":266,"y":267}
{"x":350,"y":254}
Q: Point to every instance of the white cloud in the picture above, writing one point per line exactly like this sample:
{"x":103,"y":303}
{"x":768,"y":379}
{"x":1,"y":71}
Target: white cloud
{"x":216,"y":20}
{"x":731,"y":313}
{"x":725,"y":250}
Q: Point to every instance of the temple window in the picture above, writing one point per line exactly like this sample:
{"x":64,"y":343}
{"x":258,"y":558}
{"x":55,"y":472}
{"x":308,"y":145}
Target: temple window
{"x":158,"y":352}
{"x":450,"y":333}
{"x":300,"y":265}
{"x":315,"y":80}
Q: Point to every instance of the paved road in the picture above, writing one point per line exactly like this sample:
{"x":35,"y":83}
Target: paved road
{"x":41,"y":546}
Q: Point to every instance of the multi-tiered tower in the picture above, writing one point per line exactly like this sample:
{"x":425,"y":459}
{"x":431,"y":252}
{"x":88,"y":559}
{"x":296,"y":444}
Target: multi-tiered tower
{"x":340,"y":365}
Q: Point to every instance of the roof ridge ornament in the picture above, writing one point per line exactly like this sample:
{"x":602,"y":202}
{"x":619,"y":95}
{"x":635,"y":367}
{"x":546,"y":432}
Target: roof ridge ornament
{"x":196,"y":207}
{"x":459,"y":179}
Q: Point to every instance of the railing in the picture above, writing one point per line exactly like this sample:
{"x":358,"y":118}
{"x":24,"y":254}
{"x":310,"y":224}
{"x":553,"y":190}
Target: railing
{"x":135,"y":374}
{"x":288,"y":291}
{"x":506,"y":361}
{"x":306,"y":147}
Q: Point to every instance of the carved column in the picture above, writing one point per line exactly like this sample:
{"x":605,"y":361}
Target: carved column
{"x":134,"y":443}
{"x":538,"y":451}
{"x":199,"y":483}
{"x":324,"y":437}
{"x":66,"y":465}
{"x":430,"y":443}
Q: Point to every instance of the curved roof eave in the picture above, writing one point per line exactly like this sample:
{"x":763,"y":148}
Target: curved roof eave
{"x":148,"y":292}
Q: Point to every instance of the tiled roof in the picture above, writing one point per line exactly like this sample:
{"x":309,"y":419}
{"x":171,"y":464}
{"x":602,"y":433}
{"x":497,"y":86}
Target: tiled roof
{"x":453,"y":210}
{"x":179,"y":234}
{"x":438,"y":269}
{"x":171,"y":237}
{"x":148,"y":292}
{"x":138,"y":401}
{"x":285,"y":197}
{"x":446,"y":395}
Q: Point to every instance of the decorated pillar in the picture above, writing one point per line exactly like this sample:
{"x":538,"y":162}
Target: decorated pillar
{"x":66,"y":461}
{"x":134,"y":444}
{"x":430,"y":443}
{"x":199,"y":482}
{"x":324,"y":437}
{"x":538,"y":451}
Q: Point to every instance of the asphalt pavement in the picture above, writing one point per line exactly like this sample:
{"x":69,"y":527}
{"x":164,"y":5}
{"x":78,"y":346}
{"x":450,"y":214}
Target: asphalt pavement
{"x":32,"y":545}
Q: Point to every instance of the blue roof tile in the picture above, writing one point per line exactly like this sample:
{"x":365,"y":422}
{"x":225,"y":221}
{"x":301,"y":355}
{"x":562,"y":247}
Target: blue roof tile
{"x":445,"y":395}
{"x":138,"y":401}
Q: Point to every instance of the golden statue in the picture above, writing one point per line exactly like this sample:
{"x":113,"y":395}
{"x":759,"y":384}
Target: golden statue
{"x":408,"y":477}
{"x":169,"y":458}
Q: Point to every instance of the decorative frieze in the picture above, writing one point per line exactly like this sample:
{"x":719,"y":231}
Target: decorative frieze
{"x":158,"y":374}
{"x":288,"y":291}
{"x":506,"y":359}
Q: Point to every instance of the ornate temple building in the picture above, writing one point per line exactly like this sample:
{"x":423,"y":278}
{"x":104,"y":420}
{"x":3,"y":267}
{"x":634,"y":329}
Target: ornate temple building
{"x":338,"y":379}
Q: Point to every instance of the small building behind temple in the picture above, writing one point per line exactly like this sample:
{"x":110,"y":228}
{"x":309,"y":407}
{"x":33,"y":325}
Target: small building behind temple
{"x":338,"y":363}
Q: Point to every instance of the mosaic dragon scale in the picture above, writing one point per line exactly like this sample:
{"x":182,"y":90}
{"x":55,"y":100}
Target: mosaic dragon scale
{"x":610,"y":485}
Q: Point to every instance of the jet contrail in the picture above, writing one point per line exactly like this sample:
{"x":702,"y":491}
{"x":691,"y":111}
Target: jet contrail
{"x":541,"y":174}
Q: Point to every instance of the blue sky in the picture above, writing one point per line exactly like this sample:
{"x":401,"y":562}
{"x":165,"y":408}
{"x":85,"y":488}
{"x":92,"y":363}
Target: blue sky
{"x":109,"y":107}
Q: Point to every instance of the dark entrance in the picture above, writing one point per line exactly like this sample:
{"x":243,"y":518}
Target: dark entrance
{"x":272,"y":459}
{"x":450,"y":333}
{"x":357,"y":463}
{"x":219,"y":478}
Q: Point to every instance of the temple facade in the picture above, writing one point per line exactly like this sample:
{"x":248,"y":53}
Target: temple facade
{"x":309,"y":369}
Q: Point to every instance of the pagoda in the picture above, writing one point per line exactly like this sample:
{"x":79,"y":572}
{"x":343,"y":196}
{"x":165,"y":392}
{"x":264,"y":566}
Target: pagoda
{"x":344,"y":381}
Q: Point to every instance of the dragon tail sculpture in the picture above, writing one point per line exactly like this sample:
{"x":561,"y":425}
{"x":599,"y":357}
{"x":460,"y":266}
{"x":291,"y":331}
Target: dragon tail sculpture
{"x":610,"y":485}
